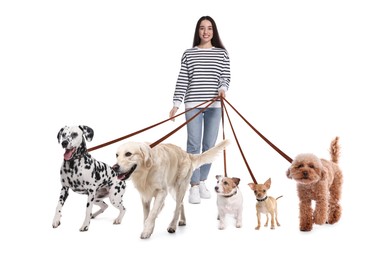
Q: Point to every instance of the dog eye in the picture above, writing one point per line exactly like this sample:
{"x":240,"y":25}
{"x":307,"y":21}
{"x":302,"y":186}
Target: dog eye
{"x":225,"y":183}
{"x":128,"y":154}
{"x":311,"y":166}
{"x":300,"y":166}
{"x":74,"y":135}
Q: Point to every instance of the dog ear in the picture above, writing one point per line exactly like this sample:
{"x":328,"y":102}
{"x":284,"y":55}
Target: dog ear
{"x":145,"y":150}
{"x":288,"y":173}
{"x":218,"y":177}
{"x":236,"y":180}
{"x":268,"y":183}
{"x":87,"y":132}
{"x":322,"y":171}
{"x":59,"y":134}
{"x":252,"y":186}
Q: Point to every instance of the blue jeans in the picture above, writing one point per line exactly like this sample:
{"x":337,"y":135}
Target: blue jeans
{"x":202,"y":133}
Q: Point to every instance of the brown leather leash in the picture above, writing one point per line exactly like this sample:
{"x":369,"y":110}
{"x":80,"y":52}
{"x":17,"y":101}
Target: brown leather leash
{"x":239,"y":147}
{"x":285,"y":156}
{"x":159,"y":123}
{"x":223,"y":111}
{"x":238,"y":143}
{"x":177,"y":129}
{"x":223,"y":136}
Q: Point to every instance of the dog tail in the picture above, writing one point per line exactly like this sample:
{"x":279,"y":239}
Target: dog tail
{"x":210,"y":155}
{"x":335,"y":150}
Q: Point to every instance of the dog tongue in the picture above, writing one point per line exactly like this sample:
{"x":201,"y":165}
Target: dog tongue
{"x":68,"y":153}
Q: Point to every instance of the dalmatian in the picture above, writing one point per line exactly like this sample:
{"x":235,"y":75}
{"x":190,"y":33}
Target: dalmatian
{"x":86,"y":175}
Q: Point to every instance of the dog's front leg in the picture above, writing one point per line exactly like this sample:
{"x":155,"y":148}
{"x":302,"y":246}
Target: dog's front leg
{"x":57,"y":216}
{"x":222,"y":216}
{"x":88,"y":212}
{"x":151,"y":218}
{"x":239,"y":218}
{"x":258,"y":215}
{"x":305,"y":215}
{"x":322,"y":205}
{"x":146,"y":208}
{"x":267,"y":219}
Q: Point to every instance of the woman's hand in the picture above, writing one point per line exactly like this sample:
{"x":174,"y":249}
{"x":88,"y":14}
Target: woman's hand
{"x":221,"y":93}
{"x":172,"y":113}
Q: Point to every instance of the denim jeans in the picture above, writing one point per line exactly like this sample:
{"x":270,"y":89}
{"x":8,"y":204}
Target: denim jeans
{"x":202,"y":133}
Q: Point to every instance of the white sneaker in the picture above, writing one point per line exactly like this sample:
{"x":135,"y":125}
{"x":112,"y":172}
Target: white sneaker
{"x":194,"y":196}
{"x":204,"y":192}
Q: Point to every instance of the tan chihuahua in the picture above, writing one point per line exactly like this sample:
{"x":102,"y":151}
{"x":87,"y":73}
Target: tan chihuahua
{"x":265,"y":204}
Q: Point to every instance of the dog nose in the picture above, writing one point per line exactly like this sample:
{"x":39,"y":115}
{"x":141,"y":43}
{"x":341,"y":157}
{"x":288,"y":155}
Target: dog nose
{"x":304,"y":174}
{"x":64,"y":144}
{"x":216,"y":188}
{"x":115,"y":167}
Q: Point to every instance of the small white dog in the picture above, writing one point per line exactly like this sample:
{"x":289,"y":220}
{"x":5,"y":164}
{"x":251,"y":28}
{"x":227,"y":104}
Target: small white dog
{"x":229,"y":200}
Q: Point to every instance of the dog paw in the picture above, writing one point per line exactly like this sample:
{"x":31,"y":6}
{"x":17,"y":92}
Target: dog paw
{"x":83,"y":229}
{"x":145,"y":235}
{"x":182,"y":223}
{"x":333,"y":217}
{"x":305,"y":229}
{"x":257,"y":227}
{"x":171,"y":230}
{"x":332,"y":221}
{"x":221,"y":227}
{"x":117,"y":221}
{"x":56,"y":224}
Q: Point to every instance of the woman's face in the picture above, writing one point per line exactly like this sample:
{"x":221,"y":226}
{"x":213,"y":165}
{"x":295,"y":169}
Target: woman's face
{"x":205,"y":31}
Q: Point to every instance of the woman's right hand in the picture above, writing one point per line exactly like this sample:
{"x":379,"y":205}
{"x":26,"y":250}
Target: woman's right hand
{"x":172,"y":113}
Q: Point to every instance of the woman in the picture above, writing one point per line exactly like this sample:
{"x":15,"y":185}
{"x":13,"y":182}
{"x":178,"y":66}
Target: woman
{"x":204,"y":74}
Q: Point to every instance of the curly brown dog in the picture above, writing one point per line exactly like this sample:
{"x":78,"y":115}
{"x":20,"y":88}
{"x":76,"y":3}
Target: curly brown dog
{"x":318,"y":180}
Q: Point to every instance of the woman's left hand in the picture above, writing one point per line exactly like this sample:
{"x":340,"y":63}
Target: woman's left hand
{"x":221,"y":93}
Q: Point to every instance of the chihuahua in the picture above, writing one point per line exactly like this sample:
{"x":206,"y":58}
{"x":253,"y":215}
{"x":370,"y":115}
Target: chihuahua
{"x":229,"y":200}
{"x":265,"y":204}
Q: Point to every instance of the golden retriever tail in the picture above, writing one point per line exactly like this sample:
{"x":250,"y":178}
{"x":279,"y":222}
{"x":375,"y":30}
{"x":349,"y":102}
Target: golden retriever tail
{"x":335,"y":150}
{"x":210,"y":155}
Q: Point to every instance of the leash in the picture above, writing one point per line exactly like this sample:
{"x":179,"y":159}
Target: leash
{"x":223,"y":111}
{"x":149,"y":127}
{"x":285,"y":156}
{"x":177,"y":129}
{"x":238,"y":143}
{"x":239,"y":147}
{"x":223,"y":136}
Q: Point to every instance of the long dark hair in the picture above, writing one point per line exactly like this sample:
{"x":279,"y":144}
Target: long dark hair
{"x":215,"y":41}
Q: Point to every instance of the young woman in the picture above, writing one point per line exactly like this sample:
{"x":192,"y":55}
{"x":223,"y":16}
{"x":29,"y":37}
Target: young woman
{"x":204,"y":74}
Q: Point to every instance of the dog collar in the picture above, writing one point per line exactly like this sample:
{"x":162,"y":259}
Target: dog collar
{"x":230,"y":195}
{"x":263,"y":199}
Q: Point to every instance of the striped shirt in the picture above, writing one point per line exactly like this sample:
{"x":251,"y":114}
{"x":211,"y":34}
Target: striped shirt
{"x":203,"y":72}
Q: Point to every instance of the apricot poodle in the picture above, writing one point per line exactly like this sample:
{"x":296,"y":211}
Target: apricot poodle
{"x":318,"y":180}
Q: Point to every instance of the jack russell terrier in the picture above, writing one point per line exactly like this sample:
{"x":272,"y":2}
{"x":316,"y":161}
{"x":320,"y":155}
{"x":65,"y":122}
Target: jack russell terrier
{"x":229,"y":200}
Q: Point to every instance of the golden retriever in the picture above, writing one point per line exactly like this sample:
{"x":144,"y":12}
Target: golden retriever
{"x":157,"y":171}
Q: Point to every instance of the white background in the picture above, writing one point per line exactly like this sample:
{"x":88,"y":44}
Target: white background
{"x":303,"y":72}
